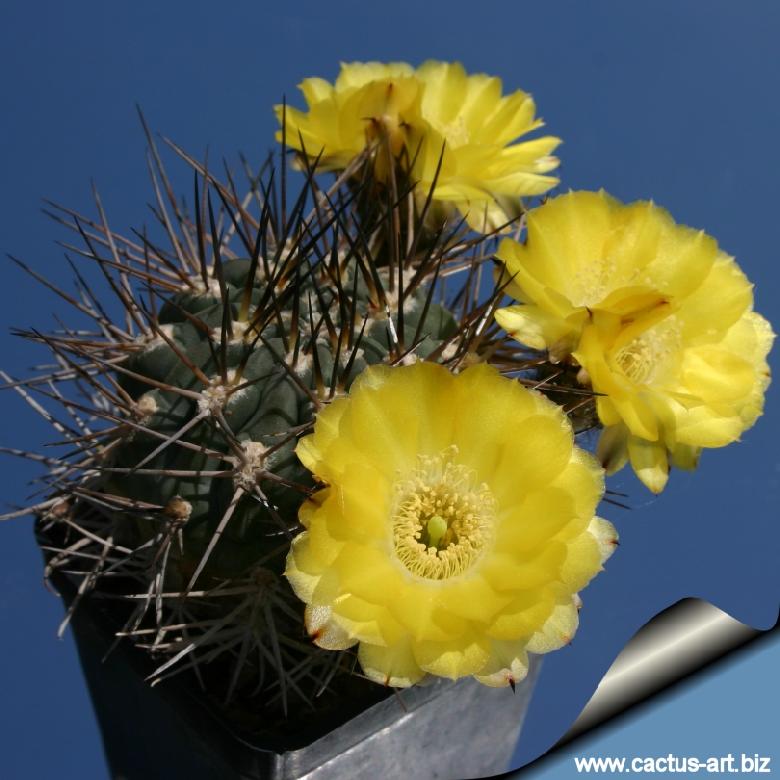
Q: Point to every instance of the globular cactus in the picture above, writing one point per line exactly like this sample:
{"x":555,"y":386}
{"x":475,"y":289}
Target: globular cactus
{"x":241,"y":377}
{"x":178,"y":497}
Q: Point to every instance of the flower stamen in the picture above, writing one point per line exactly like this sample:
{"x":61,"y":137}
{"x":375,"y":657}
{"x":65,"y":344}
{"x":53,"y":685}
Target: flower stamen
{"x":646,"y":356}
{"x":443,"y":518}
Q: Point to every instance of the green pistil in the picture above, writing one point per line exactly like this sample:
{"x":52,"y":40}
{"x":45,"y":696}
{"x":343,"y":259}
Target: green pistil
{"x":436,"y":528}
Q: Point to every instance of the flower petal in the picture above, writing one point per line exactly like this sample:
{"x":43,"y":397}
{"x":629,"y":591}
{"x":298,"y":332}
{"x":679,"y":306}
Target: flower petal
{"x":650,"y":462}
{"x":507,"y":664}
{"x":534,"y":327}
{"x":558,"y":630}
{"x":394,"y":665}
{"x":325,"y":631}
{"x":453,"y":659}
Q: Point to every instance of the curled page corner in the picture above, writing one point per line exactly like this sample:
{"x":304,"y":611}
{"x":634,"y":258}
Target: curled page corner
{"x":678,"y":642}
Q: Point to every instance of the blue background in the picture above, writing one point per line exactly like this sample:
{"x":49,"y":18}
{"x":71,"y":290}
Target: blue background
{"x":672,"y":100}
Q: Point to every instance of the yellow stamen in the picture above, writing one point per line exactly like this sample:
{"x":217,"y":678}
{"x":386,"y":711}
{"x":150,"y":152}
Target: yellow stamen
{"x":442,"y":519}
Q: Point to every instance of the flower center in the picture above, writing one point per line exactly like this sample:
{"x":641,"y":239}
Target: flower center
{"x":645,"y":357}
{"x":443,"y":518}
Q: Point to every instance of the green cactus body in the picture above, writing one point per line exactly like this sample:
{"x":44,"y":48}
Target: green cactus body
{"x":262,"y":400}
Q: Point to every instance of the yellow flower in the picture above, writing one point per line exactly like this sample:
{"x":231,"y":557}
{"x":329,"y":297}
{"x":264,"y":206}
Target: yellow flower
{"x":455,"y":529}
{"x":660,"y":319}
{"x":368,"y":102}
{"x":420,"y":113}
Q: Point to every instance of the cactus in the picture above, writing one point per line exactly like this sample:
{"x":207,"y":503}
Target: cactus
{"x":178,"y":496}
{"x":237,"y":386}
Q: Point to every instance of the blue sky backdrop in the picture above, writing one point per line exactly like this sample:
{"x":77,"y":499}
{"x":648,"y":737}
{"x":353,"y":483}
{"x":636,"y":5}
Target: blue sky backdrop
{"x":672,"y":100}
